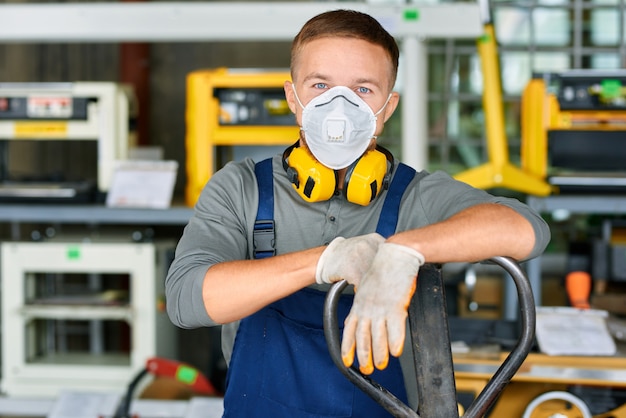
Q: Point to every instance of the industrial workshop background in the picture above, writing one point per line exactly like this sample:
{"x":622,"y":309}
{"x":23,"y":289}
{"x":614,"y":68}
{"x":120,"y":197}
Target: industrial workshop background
{"x":543,"y":35}
{"x":533,"y":36}
{"x":536,"y":35}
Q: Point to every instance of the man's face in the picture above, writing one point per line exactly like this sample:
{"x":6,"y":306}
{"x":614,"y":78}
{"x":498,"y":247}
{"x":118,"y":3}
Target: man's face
{"x":359,"y":65}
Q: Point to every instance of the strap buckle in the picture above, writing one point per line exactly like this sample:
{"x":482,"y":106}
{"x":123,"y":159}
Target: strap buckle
{"x":264,"y":239}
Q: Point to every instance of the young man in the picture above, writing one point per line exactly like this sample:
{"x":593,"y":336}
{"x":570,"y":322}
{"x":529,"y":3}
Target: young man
{"x":329,"y":190}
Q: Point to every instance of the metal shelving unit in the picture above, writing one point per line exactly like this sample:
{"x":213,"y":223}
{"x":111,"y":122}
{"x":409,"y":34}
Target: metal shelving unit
{"x":412,"y":24}
{"x":573,"y":204}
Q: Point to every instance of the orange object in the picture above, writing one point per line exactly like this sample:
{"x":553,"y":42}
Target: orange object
{"x":578,"y":286}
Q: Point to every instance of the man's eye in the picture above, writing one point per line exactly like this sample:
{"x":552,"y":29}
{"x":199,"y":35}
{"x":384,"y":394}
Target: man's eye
{"x":320,"y":85}
{"x":363,"y":90}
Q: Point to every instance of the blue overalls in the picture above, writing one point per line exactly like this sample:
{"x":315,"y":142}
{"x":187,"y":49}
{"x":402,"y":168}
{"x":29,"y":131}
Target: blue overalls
{"x":280,"y":366}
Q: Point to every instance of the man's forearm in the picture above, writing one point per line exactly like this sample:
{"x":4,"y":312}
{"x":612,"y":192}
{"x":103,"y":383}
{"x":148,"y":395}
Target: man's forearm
{"x":474,"y":234}
{"x":235,"y":289}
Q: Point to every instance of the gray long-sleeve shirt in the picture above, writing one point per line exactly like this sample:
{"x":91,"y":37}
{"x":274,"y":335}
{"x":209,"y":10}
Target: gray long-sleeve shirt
{"x":222,"y":225}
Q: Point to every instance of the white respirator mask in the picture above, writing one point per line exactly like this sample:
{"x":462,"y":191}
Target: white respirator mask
{"x":338,"y":126}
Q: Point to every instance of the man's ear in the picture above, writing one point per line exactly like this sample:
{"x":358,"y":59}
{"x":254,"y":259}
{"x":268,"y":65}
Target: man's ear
{"x":290,"y":96}
{"x":391,"y":105}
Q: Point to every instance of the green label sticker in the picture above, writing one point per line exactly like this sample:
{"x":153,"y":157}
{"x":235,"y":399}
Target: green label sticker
{"x":611,"y":89}
{"x":411,"y":14}
{"x":73,"y":253}
{"x":186,"y":374}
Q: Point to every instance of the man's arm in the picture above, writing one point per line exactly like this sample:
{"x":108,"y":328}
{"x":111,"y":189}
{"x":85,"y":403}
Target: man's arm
{"x":375,"y":326}
{"x":474,"y":234}
{"x":232,"y":290}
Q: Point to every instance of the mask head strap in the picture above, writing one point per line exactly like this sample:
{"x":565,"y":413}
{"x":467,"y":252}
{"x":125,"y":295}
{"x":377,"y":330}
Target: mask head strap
{"x":384,"y":106}
{"x":295,"y":93}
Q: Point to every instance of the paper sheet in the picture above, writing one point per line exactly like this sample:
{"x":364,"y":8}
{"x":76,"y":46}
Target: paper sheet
{"x":569,"y":331}
{"x":202,"y":407}
{"x":142,"y":184}
{"x":84,"y":405}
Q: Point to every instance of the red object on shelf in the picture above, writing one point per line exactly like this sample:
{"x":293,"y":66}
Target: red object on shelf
{"x":183,"y":373}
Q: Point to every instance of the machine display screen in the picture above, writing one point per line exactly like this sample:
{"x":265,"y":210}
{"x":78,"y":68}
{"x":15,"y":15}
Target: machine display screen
{"x":44,"y":108}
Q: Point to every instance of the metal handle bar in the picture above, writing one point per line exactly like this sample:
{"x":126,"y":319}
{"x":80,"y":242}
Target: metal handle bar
{"x":331,"y":331}
{"x":492,"y":389}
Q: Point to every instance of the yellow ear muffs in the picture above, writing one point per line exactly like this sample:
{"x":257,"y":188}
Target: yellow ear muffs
{"x":312,"y":180}
{"x":367,"y":177}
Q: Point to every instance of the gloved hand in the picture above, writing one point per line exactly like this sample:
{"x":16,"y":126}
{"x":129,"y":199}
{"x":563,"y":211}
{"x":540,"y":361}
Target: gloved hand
{"x":377,"y":320}
{"x":347,"y":259}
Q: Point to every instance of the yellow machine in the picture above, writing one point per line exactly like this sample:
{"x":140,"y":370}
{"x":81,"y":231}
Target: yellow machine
{"x":573,"y":127}
{"x":231,"y":108}
{"x":498,"y":171}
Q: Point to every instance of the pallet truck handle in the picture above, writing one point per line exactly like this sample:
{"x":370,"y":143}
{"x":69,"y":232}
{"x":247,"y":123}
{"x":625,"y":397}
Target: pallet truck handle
{"x":492,"y":389}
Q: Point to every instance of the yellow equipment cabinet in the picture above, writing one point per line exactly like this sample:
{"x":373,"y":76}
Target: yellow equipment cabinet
{"x":573,"y":128}
{"x":231,"y":108}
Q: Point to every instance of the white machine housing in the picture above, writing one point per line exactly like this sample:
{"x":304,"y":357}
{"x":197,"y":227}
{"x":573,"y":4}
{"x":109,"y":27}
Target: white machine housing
{"x":49,"y":111}
{"x":28,"y":373}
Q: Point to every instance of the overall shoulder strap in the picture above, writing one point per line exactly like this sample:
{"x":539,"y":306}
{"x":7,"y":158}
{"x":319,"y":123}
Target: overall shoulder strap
{"x":263,"y":235}
{"x":388,"y":219}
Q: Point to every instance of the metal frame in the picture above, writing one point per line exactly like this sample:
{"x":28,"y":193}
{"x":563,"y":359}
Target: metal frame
{"x":432,"y":353}
{"x":216,"y":21}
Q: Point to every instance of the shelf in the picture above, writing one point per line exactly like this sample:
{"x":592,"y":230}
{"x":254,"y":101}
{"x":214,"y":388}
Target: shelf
{"x":74,"y":312}
{"x":216,"y":21}
{"x":93,"y":214}
{"x":82,"y":359}
{"x":607,"y":204}
{"x":541,"y":368}
{"x":579,"y":203}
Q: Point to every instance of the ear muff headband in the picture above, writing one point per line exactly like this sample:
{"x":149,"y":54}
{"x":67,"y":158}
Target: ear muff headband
{"x":313,"y":181}
{"x":368,"y":176}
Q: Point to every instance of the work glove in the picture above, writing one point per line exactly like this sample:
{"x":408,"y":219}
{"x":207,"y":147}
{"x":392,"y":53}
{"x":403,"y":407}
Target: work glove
{"x":376,"y":324}
{"x":347,"y":259}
